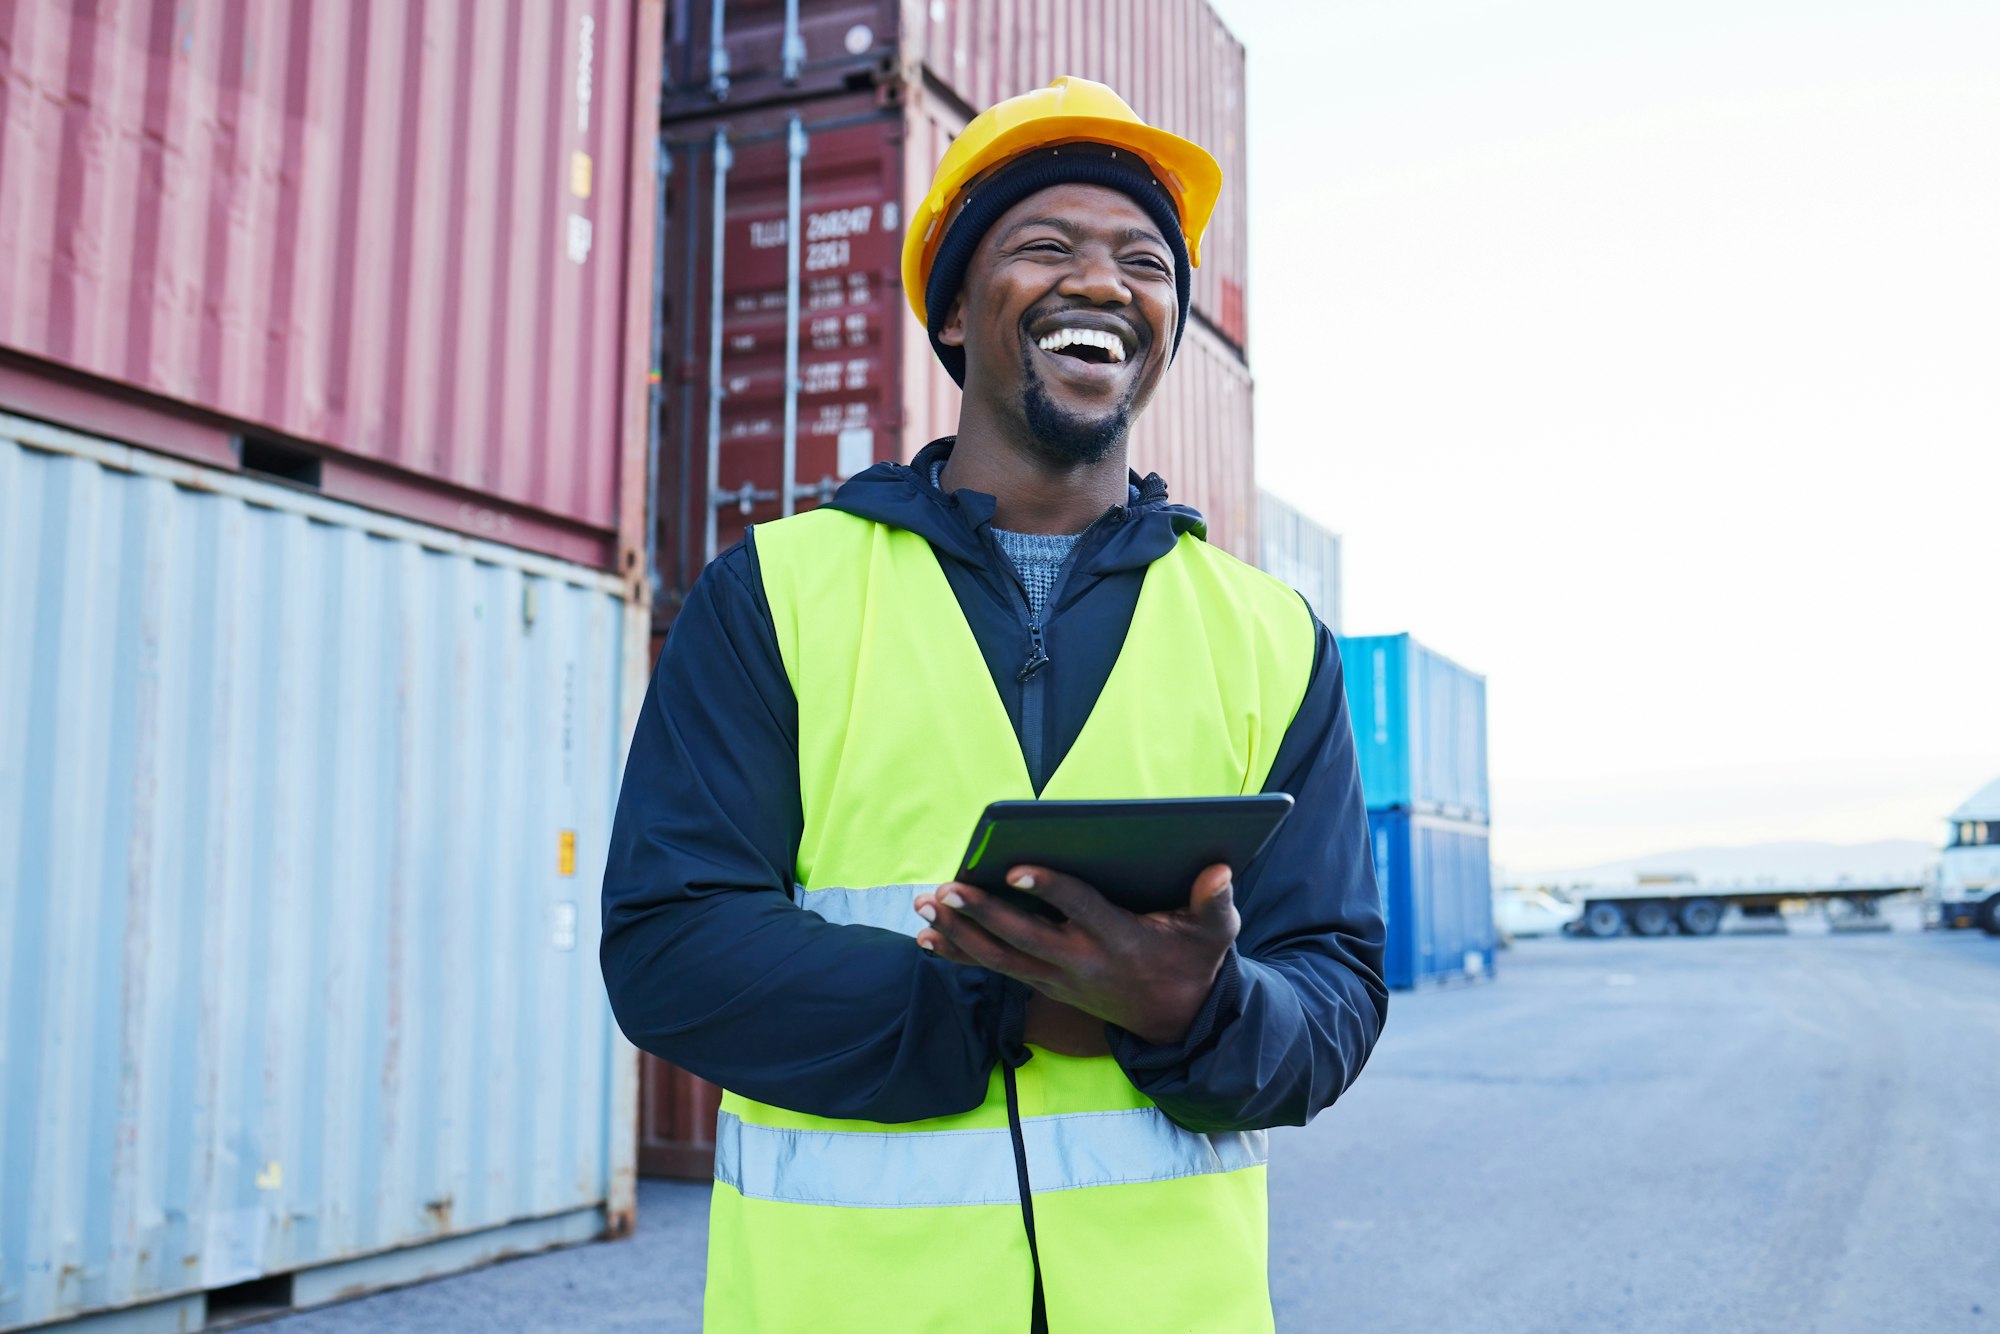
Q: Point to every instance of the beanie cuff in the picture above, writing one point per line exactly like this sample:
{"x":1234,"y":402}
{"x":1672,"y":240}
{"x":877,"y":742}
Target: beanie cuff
{"x":1123,"y":171}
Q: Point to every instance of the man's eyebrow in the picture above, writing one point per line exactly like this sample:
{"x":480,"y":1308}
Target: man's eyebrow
{"x":1076,"y":231}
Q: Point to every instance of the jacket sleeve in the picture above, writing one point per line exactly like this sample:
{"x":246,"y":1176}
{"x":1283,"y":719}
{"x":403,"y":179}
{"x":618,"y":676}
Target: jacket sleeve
{"x":1300,"y":999}
{"x":707,"y":960}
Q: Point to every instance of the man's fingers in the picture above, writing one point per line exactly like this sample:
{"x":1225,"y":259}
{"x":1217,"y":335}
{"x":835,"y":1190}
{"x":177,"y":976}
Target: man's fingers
{"x":956,"y":935}
{"x":1069,"y":896}
{"x":1213,"y":902}
{"x":1024,"y":930}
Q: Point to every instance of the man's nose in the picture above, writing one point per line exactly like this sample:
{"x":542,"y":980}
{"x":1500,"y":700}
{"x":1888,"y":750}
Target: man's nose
{"x":1094,"y":275}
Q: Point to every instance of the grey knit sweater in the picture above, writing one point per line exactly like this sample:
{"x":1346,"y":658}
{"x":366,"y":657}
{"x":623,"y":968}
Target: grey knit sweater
{"x":1037,"y":557}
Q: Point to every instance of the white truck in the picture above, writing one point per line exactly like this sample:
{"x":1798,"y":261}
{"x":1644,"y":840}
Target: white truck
{"x":1963,"y":890}
{"x":1966,"y":890}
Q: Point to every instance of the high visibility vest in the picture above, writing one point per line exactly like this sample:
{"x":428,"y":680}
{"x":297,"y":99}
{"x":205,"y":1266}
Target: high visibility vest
{"x":831,"y":1225}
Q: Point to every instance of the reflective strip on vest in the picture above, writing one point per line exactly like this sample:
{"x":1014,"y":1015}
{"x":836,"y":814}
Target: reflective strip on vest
{"x":886,"y":906}
{"x":932,"y":1169}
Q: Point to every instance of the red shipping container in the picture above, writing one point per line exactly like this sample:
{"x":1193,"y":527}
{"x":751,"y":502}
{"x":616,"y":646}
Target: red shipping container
{"x":400,"y":251}
{"x":869,"y":386}
{"x":1174,"y":61}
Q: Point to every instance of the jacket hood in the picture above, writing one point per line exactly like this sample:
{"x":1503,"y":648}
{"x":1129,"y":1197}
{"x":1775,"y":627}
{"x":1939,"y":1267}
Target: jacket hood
{"x":1138,"y":532}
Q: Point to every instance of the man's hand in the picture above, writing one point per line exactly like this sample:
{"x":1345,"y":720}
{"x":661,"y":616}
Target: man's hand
{"x":1149,"y":974}
{"x":1064,"y":1029}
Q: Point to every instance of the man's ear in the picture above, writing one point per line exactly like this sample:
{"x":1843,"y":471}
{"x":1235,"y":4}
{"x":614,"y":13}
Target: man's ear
{"x":953,"y":332}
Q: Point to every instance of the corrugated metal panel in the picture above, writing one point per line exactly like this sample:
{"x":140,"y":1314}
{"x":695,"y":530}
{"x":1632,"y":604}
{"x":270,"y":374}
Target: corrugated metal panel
{"x":305,"y":811}
{"x":1302,"y":553}
{"x":400,"y":232}
{"x":1419,"y":726}
{"x":1437,"y":897}
{"x":1198,"y":434}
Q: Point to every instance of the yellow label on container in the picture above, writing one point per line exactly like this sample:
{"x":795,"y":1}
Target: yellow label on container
{"x":579,"y":174}
{"x":566,"y":852}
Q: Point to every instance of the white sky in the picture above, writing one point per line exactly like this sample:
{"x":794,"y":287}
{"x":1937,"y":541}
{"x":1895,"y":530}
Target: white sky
{"x":1647,"y":357}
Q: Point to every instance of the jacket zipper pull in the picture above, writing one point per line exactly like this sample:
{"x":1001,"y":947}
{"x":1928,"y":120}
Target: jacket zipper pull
{"x":1037,"y":659}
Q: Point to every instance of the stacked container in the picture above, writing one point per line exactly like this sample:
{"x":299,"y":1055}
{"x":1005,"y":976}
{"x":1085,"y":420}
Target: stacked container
{"x":798,"y":137}
{"x":324,"y":334}
{"x":1303,"y":553}
{"x":1420,"y":734}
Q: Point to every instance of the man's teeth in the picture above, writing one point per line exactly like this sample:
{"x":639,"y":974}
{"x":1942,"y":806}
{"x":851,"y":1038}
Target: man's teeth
{"x":1062,"y":338}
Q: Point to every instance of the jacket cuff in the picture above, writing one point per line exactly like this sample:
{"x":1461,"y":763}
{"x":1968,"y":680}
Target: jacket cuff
{"x":1224,"y":1004}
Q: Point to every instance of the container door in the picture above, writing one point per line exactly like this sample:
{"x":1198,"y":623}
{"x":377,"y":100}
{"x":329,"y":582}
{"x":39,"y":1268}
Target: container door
{"x":729,"y":399}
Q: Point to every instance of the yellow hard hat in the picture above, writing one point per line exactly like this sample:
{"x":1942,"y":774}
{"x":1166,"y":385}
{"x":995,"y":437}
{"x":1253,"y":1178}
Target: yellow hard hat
{"x":1070,"y":110}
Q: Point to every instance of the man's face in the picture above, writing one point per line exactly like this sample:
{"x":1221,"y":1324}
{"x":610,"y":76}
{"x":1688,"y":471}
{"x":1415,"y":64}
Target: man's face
{"x":1067,"y":319}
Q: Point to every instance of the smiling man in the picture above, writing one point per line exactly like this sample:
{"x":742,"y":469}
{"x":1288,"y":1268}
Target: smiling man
{"x":944,"y":1113}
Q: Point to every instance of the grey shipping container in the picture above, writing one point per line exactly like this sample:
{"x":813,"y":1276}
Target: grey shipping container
{"x":1301,"y":552}
{"x":305,"y":810}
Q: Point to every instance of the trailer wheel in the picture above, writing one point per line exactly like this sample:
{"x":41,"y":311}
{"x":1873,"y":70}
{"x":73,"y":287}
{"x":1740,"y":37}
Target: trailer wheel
{"x":1652,"y":919}
{"x":1700,"y":917}
{"x":1603,"y":920}
{"x":1989,"y":915}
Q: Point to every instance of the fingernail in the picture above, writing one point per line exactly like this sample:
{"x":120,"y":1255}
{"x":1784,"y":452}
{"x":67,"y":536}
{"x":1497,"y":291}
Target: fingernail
{"x":1023,"y":880}
{"x":953,"y":898}
{"x":928,"y":913}
{"x":928,"y":944}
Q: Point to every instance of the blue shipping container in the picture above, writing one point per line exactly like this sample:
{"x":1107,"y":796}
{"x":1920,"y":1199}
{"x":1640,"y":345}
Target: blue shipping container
{"x":304,"y":811}
{"x":1437,"y":897}
{"x":1419,"y":727}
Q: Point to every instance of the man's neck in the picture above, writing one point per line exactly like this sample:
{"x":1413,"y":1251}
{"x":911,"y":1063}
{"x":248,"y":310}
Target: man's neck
{"x":1030,"y":494}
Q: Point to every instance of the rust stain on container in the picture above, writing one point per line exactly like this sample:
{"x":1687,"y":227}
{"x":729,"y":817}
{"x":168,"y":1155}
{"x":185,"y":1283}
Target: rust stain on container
{"x":366,"y":229}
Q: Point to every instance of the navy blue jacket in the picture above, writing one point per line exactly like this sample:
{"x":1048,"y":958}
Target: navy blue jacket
{"x":709,"y":963}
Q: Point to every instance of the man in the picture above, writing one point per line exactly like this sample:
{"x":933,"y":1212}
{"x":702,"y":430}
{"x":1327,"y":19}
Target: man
{"x":943,"y":1112}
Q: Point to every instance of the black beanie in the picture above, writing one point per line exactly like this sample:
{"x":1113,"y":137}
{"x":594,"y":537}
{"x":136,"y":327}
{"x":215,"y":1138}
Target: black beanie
{"x":1072,"y":164}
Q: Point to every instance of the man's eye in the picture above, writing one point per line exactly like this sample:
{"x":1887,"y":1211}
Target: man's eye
{"x":1148,"y":262}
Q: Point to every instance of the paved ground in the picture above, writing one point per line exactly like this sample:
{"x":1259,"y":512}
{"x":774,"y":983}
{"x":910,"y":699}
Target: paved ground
{"x":1786,"y":1133}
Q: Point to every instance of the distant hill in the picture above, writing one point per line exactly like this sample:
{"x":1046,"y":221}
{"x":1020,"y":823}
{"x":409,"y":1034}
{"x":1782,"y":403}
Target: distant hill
{"x":1893,"y":859}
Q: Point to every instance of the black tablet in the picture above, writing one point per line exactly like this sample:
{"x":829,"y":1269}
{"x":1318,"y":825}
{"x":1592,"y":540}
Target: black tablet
{"x":1142,"y":855}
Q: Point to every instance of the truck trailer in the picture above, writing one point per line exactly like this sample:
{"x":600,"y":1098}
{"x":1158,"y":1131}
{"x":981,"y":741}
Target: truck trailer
{"x":1660,"y":905}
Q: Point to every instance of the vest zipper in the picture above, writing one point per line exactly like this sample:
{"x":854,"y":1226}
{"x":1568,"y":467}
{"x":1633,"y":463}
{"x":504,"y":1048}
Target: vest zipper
{"x":1031,"y":674}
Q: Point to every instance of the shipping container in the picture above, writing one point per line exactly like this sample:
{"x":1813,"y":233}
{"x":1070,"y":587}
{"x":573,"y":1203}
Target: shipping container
{"x":676,"y":1122}
{"x":306,"y":810}
{"x":1300,"y":551}
{"x":1174,"y":61}
{"x":1419,"y":727}
{"x":868,"y":385}
{"x":400,"y":252}
{"x":1437,"y":898}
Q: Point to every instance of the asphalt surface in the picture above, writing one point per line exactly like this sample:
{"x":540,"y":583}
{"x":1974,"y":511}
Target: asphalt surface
{"x":1787,"y":1133}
